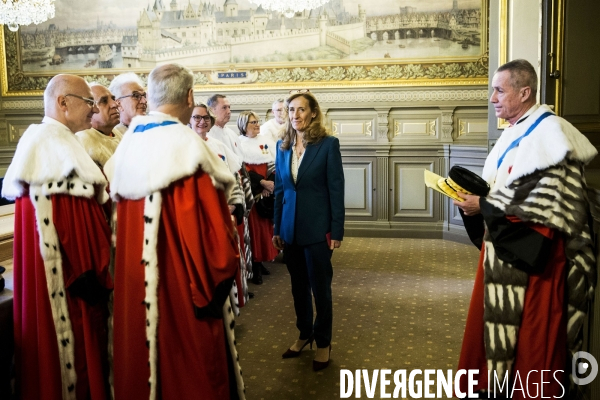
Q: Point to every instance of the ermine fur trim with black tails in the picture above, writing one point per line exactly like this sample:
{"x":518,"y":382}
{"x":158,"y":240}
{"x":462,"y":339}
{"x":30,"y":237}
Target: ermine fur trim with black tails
{"x":58,"y":156}
{"x":555,"y":197}
{"x":111,"y":300}
{"x":50,"y":160}
{"x":152,"y":209}
{"x":50,"y":250}
{"x":229,"y":325}
{"x":150,"y":160}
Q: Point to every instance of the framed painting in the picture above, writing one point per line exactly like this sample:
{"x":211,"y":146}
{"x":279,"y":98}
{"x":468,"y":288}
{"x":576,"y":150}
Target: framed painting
{"x":236,"y":45}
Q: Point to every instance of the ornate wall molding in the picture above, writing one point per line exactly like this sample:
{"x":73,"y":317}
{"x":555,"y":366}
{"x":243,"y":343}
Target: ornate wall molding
{"x":447,"y":122}
{"x":368,"y":97}
{"x":22,"y":104}
{"x":383,"y":125}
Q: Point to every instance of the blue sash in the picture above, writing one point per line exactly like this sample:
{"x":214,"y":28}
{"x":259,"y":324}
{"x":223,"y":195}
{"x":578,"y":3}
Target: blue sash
{"x":142,"y":128}
{"x":516,"y":142}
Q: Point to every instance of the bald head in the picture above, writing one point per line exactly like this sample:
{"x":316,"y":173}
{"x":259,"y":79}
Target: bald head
{"x":68,"y":99}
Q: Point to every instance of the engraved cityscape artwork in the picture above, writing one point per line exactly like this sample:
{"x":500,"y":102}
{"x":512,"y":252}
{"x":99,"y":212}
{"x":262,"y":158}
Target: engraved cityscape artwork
{"x":236,"y":42}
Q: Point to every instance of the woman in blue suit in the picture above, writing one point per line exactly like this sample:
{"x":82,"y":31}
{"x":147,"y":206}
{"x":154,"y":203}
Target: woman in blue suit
{"x":309,"y":219}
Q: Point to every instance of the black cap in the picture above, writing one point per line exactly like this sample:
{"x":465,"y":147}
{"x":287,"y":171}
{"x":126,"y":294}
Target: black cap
{"x":469,"y":181}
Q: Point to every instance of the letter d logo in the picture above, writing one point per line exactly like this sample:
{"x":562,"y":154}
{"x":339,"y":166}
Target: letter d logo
{"x":580,"y":367}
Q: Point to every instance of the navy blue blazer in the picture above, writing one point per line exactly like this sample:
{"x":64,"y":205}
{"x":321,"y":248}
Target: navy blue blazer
{"x":314,"y":206}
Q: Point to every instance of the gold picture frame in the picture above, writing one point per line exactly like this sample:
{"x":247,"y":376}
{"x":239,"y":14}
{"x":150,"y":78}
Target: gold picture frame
{"x":503,"y":48}
{"x":23,"y":77}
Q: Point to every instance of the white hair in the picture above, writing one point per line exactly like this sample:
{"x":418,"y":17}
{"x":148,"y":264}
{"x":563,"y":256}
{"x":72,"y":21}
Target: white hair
{"x":169,"y":84}
{"x":276,"y":102}
{"x":117,"y":84}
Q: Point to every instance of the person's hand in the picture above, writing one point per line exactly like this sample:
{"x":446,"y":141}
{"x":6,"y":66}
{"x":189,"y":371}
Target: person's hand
{"x":471,"y":204}
{"x":278,"y":242}
{"x":268,"y":185}
{"x":335,"y":244}
{"x":231,"y":209}
{"x":265,"y":193}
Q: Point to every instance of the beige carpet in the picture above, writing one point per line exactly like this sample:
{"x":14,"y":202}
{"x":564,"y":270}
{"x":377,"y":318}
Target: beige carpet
{"x":397,"y":304}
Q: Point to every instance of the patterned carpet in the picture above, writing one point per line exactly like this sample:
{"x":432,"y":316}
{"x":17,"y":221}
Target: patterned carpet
{"x":397,"y":304}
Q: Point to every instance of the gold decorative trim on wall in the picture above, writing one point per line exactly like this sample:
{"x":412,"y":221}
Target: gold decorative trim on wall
{"x":503,"y":47}
{"x":432,"y":125}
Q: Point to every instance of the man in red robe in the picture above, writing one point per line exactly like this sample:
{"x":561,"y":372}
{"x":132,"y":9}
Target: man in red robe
{"x":537,"y":270}
{"x":176,"y":255}
{"x":61,"y":252}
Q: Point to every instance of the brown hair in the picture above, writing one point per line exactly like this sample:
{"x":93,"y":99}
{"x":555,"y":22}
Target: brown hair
{"x":315,"y":130}
{"x":208,"y":111}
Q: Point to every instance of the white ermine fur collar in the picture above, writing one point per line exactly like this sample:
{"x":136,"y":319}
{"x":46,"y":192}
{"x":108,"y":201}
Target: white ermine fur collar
{"x":224,"y":153}
{"x":148,"y":161}
{"x":99,"y":146}
{"x":553,"y":140}
{"x":50,"y":152}
{"x":258,"y":150}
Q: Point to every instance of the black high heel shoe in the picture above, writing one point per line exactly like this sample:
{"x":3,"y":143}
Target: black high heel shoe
{"x":292,"y":353}
{"x":319,"y":365}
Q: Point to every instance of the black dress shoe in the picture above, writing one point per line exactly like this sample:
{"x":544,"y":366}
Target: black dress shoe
{"x":250,"y":295}
{"x":257,"y":279}
{"x":289,"y":353}
{"x":319,"y":365}
{"x":264,"y":270}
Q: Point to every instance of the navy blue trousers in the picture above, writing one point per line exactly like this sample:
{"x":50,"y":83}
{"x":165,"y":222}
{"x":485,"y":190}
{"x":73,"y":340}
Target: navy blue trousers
{"x":311,"y":273}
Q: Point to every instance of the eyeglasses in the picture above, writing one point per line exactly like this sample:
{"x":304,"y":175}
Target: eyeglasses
{"x":197,"y":118}
{"x":255,"y":122}
{"x":90,"y":102}
{"x":299,"y":91}
{"x":135,"y":95}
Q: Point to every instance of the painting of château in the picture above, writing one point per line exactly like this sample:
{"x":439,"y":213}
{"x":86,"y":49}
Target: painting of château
{"x":209,"y":34}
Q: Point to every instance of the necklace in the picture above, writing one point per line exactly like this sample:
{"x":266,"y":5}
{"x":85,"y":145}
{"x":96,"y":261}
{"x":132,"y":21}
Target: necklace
{"x":299,"y":149}
{"x":299,"y":145}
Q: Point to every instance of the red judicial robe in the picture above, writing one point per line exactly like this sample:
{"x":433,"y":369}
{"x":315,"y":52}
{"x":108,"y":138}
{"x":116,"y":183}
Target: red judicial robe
{"x":542,"y":338}
{"x":85,"y":243}
{"x":259,"y":151}
{"x":261,"y":229}
{"x":61,"y":260}
{"x":175,"y":261}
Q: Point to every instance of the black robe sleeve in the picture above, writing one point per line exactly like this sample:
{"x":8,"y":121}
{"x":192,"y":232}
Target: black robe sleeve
{"x":515,"y":242}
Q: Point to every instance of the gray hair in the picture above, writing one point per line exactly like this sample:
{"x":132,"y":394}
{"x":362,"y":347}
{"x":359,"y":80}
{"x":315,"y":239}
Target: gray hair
{"x":277,"y":102}
{"x":169,"y":84}
{"x":522,"y":74}
{"x":243,"y":118}
{"x":121,"y":80}
{"x":213,"y":100}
